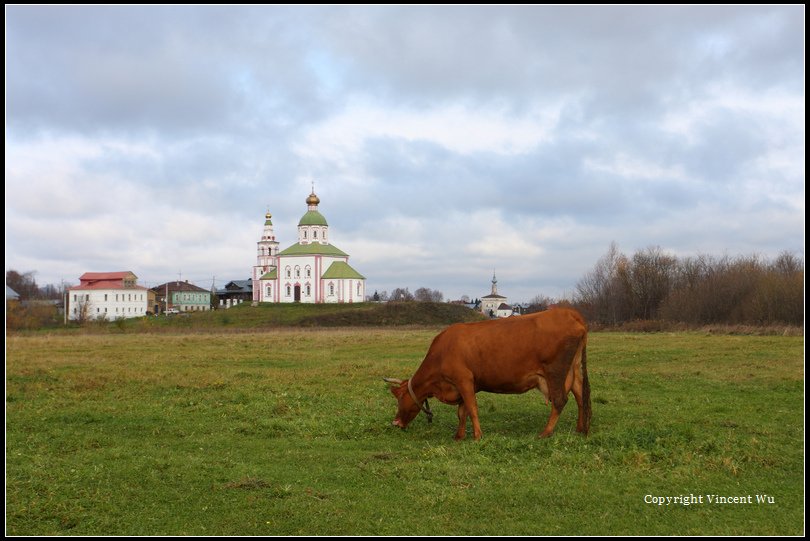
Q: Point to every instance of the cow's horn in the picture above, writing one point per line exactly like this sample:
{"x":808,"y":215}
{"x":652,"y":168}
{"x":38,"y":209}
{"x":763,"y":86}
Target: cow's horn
{"x":395,"y":381}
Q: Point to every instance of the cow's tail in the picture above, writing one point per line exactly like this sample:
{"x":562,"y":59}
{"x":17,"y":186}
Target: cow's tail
{"x":586,"y":387}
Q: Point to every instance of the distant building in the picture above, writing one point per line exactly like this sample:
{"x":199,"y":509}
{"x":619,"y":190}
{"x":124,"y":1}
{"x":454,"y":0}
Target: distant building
{"x":519,"y":309}
{"x":504,"y":310}
{"x":491,"y":304}
{"x":311,"y":270}
{"x":182,"y":296}
{"x":11,"y":295}
{"x":107,"y":295}
{"x":235,"y":292}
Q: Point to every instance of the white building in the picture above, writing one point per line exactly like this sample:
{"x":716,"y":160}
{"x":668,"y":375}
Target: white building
{"x":311,"y":270}
{"x":491,"y":304}
{"x":107,"y":295}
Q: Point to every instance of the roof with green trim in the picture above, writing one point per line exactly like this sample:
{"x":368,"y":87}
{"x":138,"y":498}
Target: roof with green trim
{"x":270,"y":275}
{"x":312,"y":217}
{"x":313,"y":249}
{"x":341,"y":270}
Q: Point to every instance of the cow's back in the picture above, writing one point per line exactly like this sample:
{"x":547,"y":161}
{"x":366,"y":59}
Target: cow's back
{"x":505,"y":355}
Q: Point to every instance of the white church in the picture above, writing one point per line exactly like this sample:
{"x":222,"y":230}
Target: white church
{"x":311,"y":270}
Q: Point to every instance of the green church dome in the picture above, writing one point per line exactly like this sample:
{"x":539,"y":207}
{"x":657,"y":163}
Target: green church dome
{"x":312,"y":217}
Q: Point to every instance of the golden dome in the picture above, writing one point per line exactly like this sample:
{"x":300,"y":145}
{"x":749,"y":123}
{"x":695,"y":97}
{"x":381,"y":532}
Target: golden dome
{"x":313,"y":199}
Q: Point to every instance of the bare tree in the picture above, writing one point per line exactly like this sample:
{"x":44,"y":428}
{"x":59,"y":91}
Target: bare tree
{"x":651,"y":273}
{"x":82,"y":306}
{"x":400,"y":294}
{"x":23,"y":283}
{"x":425,"y":294}
{"x":602,"y":293}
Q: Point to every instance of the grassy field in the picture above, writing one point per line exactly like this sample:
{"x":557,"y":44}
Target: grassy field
{"x":288,"y":432}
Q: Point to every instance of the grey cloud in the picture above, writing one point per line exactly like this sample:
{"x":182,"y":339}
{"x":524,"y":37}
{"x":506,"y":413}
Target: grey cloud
{"x":157,"y":69}
{"x":625,"y":57}
{"x":220,"y":96}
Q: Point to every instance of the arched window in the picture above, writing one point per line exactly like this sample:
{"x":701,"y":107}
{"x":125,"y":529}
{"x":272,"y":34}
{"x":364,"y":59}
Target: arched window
{"x":287,"y":270}
{"x":309,"y":272}
{"x":308,"y":291}
{"x":298,"y":272}
{"x":288,"y":290}
{"x":331,"y":288}
{"x":269,"y":291}
{"x":315,"y":234}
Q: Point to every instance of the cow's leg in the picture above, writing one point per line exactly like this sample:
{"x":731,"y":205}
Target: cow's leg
{"x":467,"y":392}
{"x":558,"y":400}
{"x":576,"y":388}
{"x":462,"y":422}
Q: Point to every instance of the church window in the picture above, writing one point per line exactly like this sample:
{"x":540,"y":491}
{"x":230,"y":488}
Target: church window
{"x":315,"y":234}
{"x":309,"y":272}
{"x":298,"y":272}
{"x":268,"y":291}
{"x":305,"y":233}
{"x":331,"y":289}
{"x":358,"y":289}
{"x":288,"y":290}
{"x":287,"y":270}
{"x":308,"y":291}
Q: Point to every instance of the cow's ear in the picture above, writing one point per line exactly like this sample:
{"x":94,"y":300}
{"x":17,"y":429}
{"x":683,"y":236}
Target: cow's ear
{"x":398,"y":391}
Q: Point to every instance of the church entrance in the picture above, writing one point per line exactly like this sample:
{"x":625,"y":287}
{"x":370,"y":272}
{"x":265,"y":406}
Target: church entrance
{"x":297,"y":294}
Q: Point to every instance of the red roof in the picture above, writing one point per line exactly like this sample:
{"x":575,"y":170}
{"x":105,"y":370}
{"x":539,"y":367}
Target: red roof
{"x":106,"y":275}
{"x":105,"y":284}
{"x":106,"y":280}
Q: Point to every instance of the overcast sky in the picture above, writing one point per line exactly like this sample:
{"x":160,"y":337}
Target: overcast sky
{"x":444,"y":142}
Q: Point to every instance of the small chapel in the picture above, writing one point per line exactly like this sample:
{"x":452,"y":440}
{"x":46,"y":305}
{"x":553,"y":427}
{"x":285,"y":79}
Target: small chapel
{"x":311,"y":271}
{"x":494,"y":304}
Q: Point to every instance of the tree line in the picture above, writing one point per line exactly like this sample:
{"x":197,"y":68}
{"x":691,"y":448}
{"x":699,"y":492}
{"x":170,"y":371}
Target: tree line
{"x":25,"y":284}
{"x":649,"y":285}
{"x":700,"y":290}
{"x":403,"y":294}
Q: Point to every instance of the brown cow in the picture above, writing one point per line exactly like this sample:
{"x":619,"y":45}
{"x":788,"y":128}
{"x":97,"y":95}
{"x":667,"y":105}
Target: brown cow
{"x":545,"y":350}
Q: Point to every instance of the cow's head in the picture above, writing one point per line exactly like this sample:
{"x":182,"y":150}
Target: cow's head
{"x":407,"y":409}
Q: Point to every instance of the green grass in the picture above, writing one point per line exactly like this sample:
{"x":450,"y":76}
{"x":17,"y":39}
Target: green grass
{"x":288,"y":433}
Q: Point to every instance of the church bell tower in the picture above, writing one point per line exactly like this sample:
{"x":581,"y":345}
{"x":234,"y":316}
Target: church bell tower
{"x":266,"y":255}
